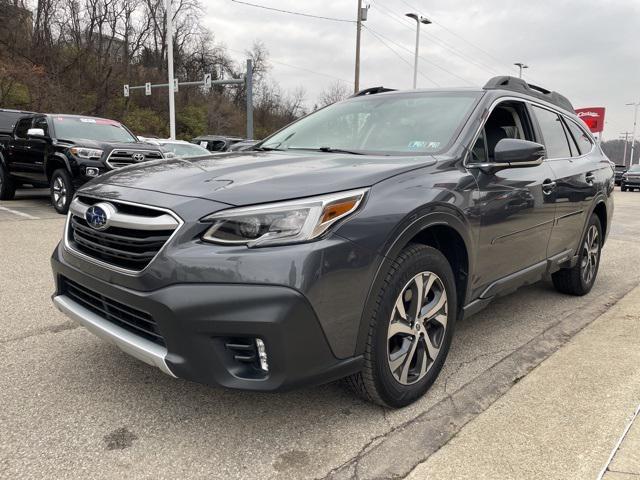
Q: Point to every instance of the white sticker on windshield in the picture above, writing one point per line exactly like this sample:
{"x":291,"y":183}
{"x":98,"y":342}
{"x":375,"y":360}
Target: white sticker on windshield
{"x":88,"y":120}
{"x":417,"y":144}
{"x":203,"y":144}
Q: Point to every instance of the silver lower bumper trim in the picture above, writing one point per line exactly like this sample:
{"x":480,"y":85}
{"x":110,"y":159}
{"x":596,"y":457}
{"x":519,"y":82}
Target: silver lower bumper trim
{"x":137,"y":347}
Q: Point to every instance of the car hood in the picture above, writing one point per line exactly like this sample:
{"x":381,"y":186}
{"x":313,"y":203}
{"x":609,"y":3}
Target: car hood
{"x":84,"y":142}
{"x":246,"y":178}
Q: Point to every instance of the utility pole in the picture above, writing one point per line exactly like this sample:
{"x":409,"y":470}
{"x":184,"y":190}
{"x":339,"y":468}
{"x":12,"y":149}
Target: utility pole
{"x":521,"y":66}
{"x":633,"y":134}
{"x":172,"y":98}
{"x":418,"y":20}
{"x":626,"y":143}
{"x":356,"y":82}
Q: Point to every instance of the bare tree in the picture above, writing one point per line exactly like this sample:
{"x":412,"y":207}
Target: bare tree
{"x":335,"y":92}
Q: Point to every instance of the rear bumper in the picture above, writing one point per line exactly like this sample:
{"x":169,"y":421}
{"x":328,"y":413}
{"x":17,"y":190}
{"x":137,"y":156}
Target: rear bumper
{"x":198,"y":322}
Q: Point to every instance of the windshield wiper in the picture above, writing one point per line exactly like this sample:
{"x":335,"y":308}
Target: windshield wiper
{"x":268,"y":149}
{"x":328,"y":150}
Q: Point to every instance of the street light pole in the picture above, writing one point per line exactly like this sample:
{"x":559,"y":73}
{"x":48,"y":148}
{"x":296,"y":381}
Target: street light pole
{"x":172,"y":99}
{"x":521,"y":66}
{"x":633,"y":133}
{"x":356,"y":83}
{"x":418,"y":20}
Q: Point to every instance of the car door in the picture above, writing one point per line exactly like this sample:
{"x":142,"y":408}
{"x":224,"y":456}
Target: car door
{"x":516,"y":215}
{"x":575,"y":186}
{"x":18,"y":149}
{"x":38,"y":150}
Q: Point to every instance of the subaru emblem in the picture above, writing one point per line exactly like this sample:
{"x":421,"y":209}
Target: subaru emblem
{"x":97,"y":217}
{"x":138,"y":157}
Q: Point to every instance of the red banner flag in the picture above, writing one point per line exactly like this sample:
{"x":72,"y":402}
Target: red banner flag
{"x":593,"y":117}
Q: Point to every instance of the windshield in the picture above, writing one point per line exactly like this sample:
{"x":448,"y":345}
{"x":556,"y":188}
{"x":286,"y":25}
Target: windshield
{"x":98,"y":129}
{"x":186,"y":149}
{"x":634,"y":169}
{"x":420,"y":122}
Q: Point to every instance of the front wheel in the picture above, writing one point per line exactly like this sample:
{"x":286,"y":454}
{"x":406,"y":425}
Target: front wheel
{"x":579,"y":279}
{"x":62,"y":190}
{"x":410,"y":330}
{"x":623,"y":188}
{"x":7,"y":185}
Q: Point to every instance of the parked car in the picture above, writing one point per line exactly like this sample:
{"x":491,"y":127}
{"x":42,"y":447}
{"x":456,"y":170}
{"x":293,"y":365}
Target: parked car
{"x":63,"y":152}
{"x":177,"y":148}
{"x":243,"y":146}
{"x":619,"y":171}
{"x":630,"y":179}
{"x":216,"y":143}
{"x":348,"y":244}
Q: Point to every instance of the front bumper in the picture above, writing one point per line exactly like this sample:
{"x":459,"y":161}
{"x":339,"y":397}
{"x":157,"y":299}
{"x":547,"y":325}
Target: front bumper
{"x":197,"y":322}
{"x":631,"y":182}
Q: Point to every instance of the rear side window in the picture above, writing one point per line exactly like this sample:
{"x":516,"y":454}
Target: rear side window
{"x":23,"y":127}
{"x":582,"y":140}
{"x":555,"y":140}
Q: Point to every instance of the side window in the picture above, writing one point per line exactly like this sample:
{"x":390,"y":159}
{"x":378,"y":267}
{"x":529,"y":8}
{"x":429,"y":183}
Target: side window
{"x":580,"y":136}
{"x":23,"y":127}
{"x":41,"y":122}
{"x":508,"y":120}
{"x":555,"y":139}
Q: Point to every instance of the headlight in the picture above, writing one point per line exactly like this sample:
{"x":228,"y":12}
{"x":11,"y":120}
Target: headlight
{"x":281,"y":223}
{"x":82,"y":152}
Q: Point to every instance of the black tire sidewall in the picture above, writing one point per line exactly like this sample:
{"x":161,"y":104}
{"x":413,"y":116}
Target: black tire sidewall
{"x":594,"y":220}
{"x":68,"y":181}
{"x":7,"y":187}
{"x":390,"y":390}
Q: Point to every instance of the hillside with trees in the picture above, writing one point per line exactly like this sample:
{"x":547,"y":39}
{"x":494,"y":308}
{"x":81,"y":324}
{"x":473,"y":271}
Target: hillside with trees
{"x":74,"y":56}
{"x":615,"y":151}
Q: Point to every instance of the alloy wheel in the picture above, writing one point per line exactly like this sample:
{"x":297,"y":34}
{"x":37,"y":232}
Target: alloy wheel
{"x":59,"y":192}
{"x":417,"y":328}
{"x":590,"y":254}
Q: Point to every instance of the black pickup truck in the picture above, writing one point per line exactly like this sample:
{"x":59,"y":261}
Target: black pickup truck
{"x":63,"y":152}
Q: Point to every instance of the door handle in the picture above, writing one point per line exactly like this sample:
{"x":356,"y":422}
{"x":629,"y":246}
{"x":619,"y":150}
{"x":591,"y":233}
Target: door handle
{"x":548,"y":186}
{"x":590,"y":177}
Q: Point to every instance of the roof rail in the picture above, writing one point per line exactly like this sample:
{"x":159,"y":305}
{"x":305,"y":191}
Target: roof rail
{"x":518,"y":85}
{"x":372,"y":91}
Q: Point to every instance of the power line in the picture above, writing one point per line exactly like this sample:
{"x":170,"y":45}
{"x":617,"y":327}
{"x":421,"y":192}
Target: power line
{"x":392,"y":15}
{"x":290,"y":12}
{"x":381,"y":40}
{"x":474,"y":45}
{"x":422,"y":58}
{"x":277,"y":62}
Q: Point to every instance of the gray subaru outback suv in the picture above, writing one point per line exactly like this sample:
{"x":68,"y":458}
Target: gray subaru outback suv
{"x":346,"y":245}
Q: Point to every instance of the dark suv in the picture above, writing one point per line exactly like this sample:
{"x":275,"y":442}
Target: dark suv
{"x":65,"y":151}
{"x":347,"y":244}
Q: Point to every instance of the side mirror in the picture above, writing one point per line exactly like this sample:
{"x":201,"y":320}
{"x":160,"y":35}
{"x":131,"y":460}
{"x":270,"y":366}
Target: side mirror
{"x":516,"y":153}
{"x":35,"y":132}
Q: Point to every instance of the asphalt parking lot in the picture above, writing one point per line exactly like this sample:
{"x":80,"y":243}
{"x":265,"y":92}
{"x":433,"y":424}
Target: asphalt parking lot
{"x":75,"y":407}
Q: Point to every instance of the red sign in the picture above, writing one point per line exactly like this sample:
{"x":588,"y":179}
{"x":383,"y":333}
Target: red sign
{"x":593,"y":117}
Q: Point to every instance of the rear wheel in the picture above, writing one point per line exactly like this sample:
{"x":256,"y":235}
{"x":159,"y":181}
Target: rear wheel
{"x":7,"y":185}
{"x":62,"y":190}
{"x":580,"y":279}
{"x":410,"y":330}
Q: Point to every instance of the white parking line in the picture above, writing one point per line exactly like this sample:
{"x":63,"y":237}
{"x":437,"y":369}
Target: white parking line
{"x":21,"y":214}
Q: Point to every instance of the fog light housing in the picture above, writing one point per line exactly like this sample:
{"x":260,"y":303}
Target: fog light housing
{"x":262,"y":355}
{"x":92,"y":171}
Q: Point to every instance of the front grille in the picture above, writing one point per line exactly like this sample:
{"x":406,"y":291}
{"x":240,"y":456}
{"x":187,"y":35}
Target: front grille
{"x":131,"y":248}
{"x":119,"y":158}
{"x":131,"y":319}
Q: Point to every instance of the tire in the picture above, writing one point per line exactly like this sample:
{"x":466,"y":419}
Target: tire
{"x":62,"y":190}
{"x":576,"y":280}
{"x":623,"y":189}
{"x":391,"y":340}
{"x":7,"y":185}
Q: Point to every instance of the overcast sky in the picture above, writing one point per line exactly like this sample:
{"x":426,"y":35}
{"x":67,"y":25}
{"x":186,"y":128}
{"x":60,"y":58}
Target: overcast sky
{"x":588,"y":50}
